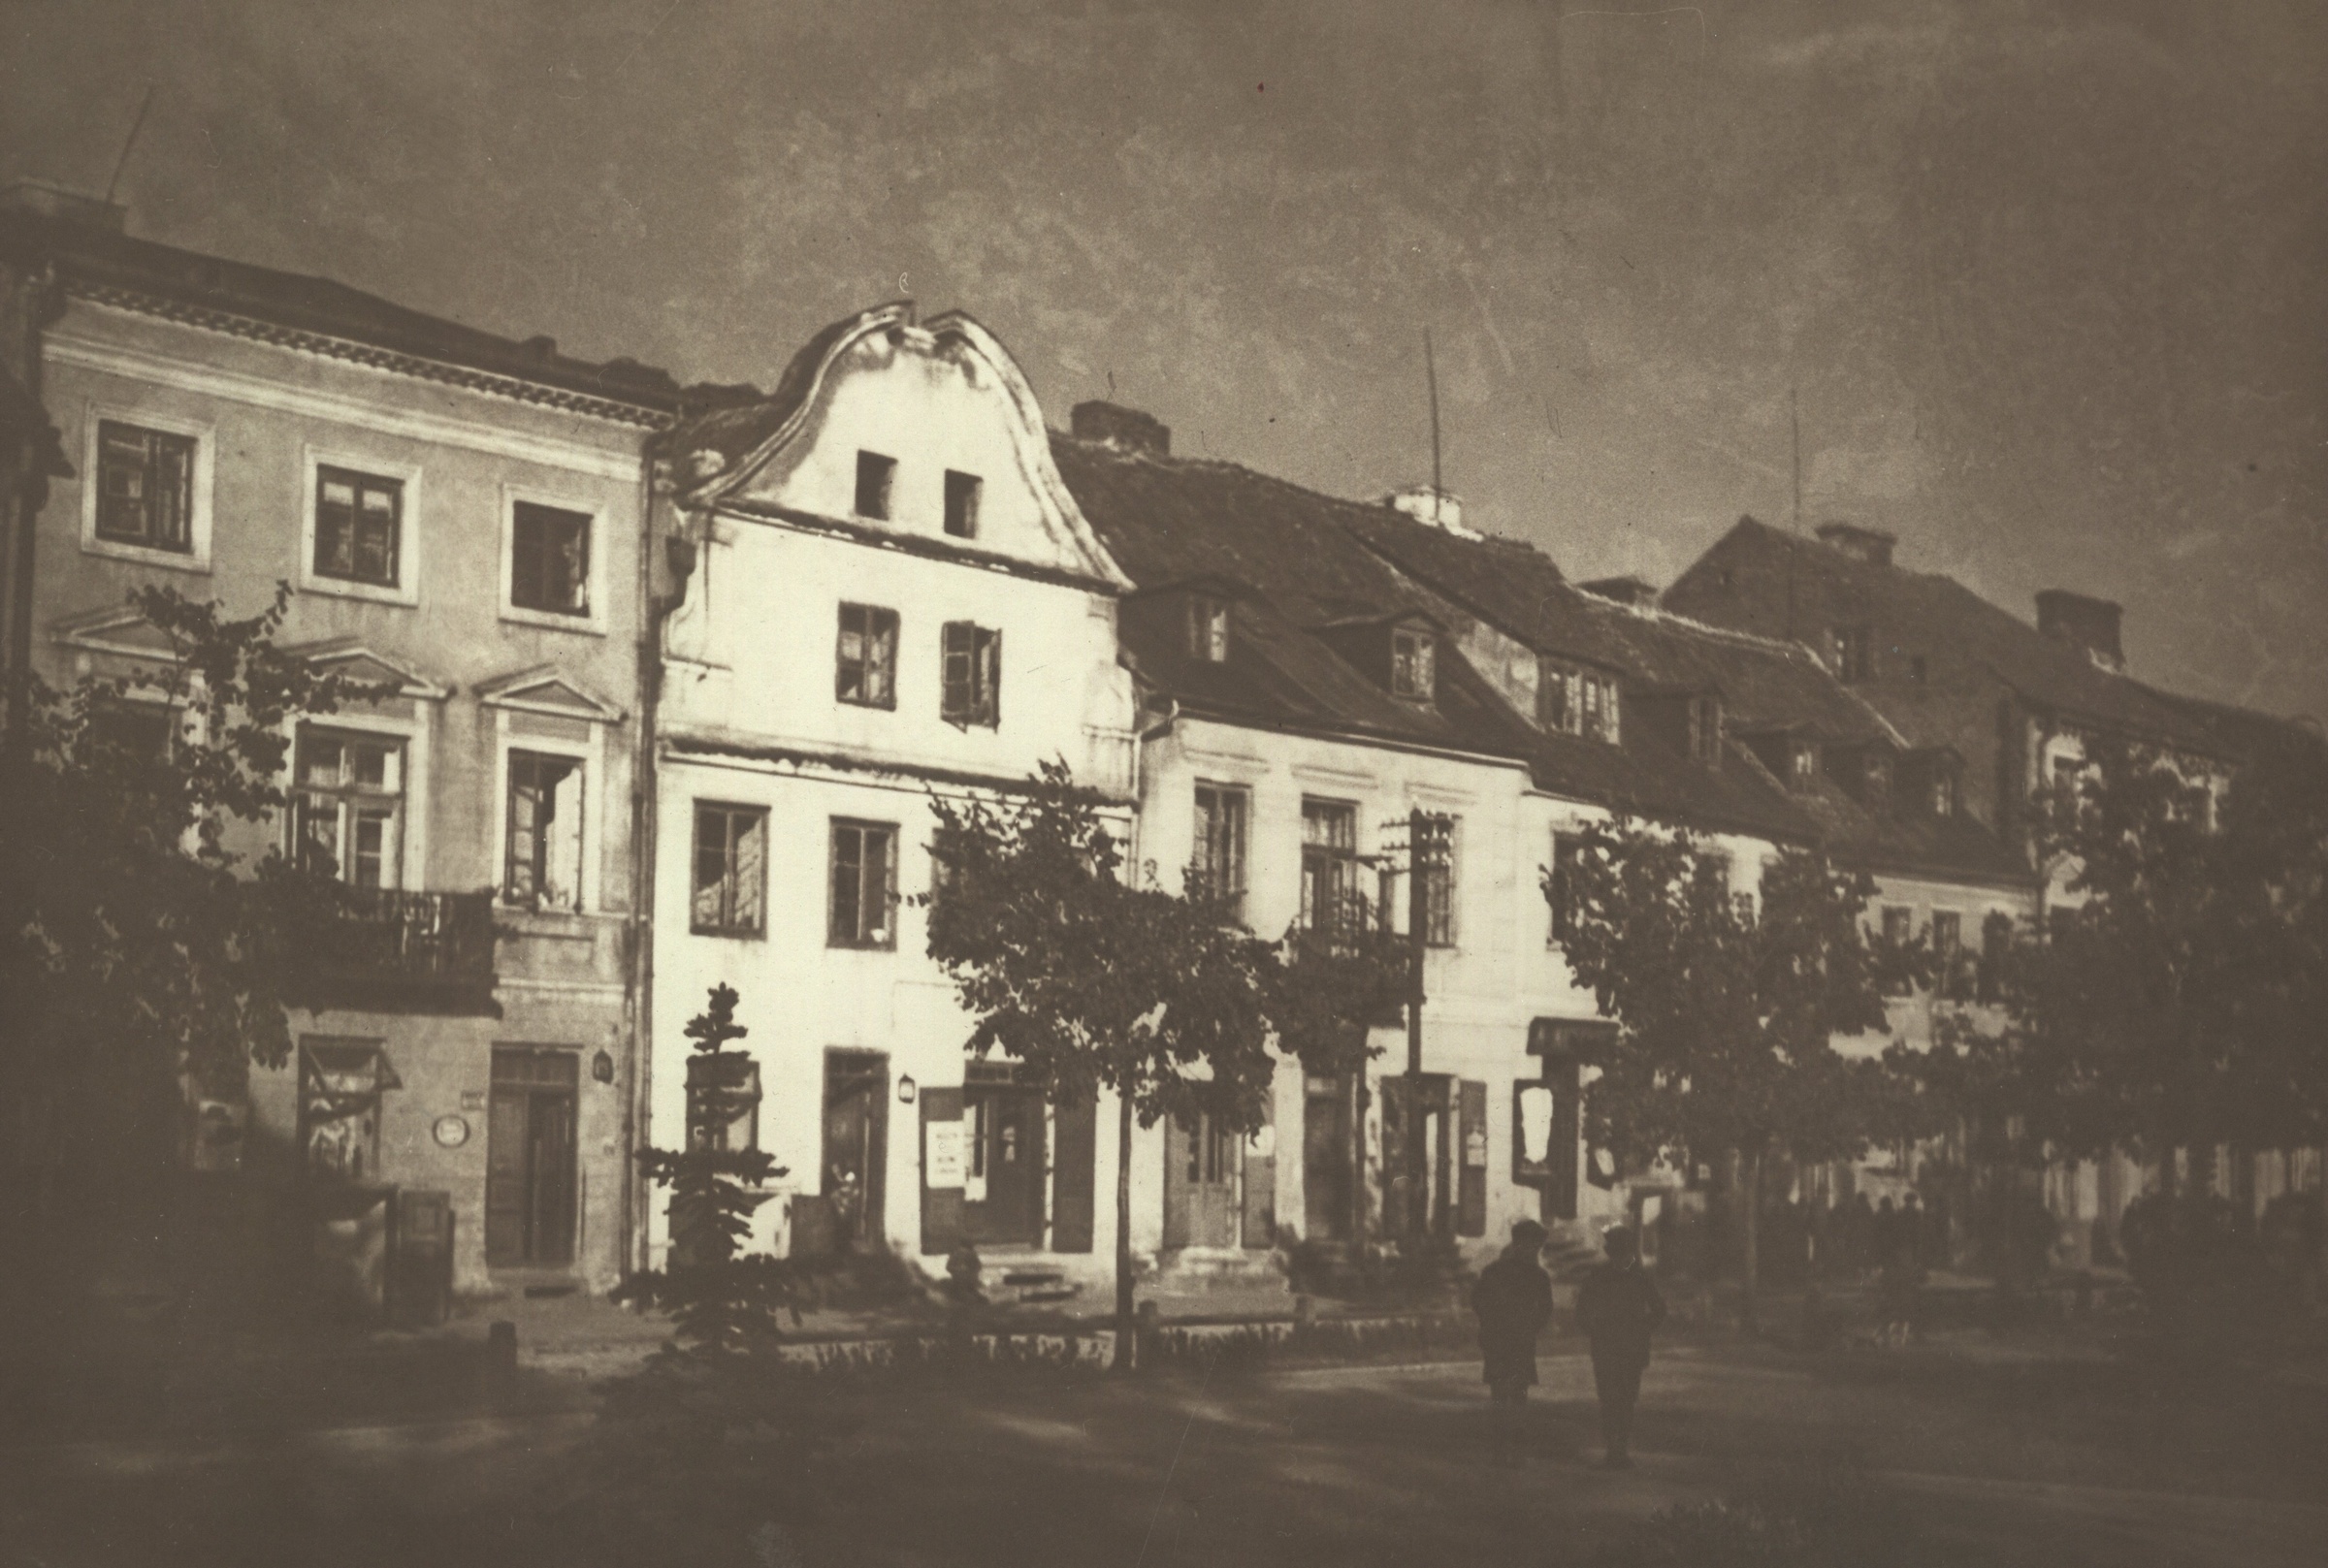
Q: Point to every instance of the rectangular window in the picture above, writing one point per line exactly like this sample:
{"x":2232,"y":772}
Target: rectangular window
{"x":1555,"y":697}
{"x":1413,"y":664}
{"x":1944,"y":793}
{"x":1899,"y":928}
{"x":1439,"y":884}
{"x":732,"y":871}
{"x":972,"y":690}
{"x":1567,"y":847}
{"x":963,"y":491}
{"x":1208,"y":629}
{"x":1807,"y":765}
{"x":1217,"y":870}
{"x":340,"y":1085}
{"x":1948,"y":934}
{"x":723,"y":1102}
{"x":121,"y":731}
{"x":359,"y":525}
{"x":1330,"y":894}
{"x":865,"y":885}
{"x":144,"y":487}
{"x":541,"y":859}
{"x":348,"y":805}
{"x":875,"y":475}
{"x":549,"y":558}
{"x":1854,"y":652}
{"x":1996,"y":939}
{"x":865,"y":670}
{"x":1705,"y":728}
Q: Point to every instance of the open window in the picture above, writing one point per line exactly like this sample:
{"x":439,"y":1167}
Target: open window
{"x":972,"y":690}
{"x":541,"y":859}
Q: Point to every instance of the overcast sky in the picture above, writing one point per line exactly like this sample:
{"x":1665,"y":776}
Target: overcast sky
{"x":2047,"y":276}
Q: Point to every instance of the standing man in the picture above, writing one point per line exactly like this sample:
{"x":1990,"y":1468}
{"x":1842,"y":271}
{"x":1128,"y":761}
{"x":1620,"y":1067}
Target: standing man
{"x":1513,"y":1300}
{"x":1619,"y":1309}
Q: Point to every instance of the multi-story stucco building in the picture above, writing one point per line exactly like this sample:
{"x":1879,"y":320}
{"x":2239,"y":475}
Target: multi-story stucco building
{"x":888,"y":593}
{"x":458,"y":516}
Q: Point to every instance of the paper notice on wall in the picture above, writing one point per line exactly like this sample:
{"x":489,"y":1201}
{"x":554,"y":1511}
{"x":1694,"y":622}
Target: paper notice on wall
{"x":1535,"y":1124}
{"x":941,"y":1154}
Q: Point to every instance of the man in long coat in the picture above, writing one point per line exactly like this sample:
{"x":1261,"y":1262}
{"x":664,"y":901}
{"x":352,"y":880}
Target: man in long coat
{"x":1513,"y":1300}
{"x":1619,"y":1308}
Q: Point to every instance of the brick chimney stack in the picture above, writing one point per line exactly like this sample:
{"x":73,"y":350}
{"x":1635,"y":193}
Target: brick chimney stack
{"x":1126,"y":429}
{"x":2084,"y":622}
{"x":1870,"y":545}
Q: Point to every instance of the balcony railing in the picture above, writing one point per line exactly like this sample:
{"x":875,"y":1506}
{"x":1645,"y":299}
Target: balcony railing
{"x":400,"y":952}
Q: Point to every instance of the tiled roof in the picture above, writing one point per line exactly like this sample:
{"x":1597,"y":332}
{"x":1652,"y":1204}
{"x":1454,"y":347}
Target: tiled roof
{"x":1929,"y":610}
{"x":320,"y":314}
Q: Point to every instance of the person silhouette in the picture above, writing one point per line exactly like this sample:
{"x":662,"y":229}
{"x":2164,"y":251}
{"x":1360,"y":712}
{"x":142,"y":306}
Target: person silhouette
{"x":1513,"y":1300}
{"x":1619,"y":1308}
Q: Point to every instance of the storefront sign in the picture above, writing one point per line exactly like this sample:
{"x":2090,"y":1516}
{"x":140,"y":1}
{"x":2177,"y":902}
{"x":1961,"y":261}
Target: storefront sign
{"x":942,"y":1153}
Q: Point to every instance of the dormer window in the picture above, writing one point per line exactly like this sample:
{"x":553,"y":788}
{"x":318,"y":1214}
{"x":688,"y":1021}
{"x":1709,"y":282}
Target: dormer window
{"x":1208,"y":629}
{"x":1805,"y":765}
{"x":1944,"y":793}
{"x":875,"y":476}
{"x":1855,"y":654}
{"x":1705,"y":728}
{"x":1413,"y":664}
{"x":1876,"y":779}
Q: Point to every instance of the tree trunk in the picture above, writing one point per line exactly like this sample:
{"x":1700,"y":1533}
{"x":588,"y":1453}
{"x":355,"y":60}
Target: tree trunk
{"x":1753,"y":1197}
{"x":1124,"y":1330}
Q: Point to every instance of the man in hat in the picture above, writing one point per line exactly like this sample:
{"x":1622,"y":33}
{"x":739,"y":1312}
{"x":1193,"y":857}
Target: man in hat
{"x":1619,"y":1309}
{"x":1513,"y":1300}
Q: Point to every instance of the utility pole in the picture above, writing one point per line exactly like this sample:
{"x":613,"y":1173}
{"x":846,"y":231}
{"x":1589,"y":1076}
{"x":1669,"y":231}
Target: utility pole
{"x":1427,"y":843}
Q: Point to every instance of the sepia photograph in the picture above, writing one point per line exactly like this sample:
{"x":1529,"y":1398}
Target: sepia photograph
{"x":1163,"y":783}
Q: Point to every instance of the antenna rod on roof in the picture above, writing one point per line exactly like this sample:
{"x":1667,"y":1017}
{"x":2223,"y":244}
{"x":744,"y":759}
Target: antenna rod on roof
{"x":1430,"y":374}
{"x":1795,"y":422}
{"x":130,"y":140}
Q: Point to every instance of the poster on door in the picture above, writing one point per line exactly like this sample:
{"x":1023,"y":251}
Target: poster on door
{"x":942,"y":1153}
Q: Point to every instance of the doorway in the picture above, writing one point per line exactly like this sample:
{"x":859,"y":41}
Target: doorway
{"x":1200,"y":1183}
{"x":856,"y":1102}
{"x":1326,"y":1155}
{"x":1002,"y":1190}
{"x":530,"y":1157}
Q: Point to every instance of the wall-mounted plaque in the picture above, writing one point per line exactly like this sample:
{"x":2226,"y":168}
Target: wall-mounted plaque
{"x":451,"y":1131}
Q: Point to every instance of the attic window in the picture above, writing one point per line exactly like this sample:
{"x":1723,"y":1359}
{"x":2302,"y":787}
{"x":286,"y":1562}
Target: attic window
{"x":1944,"y":793}
{"x":1878,"y":778}
{"x":1208,"y":629}
{"x":875,"y":475}
{"x":1805,"y":765}
{"x":1413,"y":664}
{"x":1705,"y":728}
{"x":962,"y":503}
{"x":1854,"y":652}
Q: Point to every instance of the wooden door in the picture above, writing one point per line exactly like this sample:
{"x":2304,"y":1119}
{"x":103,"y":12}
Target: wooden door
{"x":1200,"y":1184}
{"x":530,"y":1158}
{"x":1326,"y":1150}
{"x":856,"y":1098}
{"x":1003,"y":1196}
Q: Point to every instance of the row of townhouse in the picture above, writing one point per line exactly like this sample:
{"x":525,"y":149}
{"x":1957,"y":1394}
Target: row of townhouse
{"x":680,"y":672}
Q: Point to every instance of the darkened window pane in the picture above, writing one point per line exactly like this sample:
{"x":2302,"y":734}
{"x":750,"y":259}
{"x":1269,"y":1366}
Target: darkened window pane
{"x":874,"y":475}
{"x":971,"y":690}
{"x":549,"y":559}
{"x":358,"y":526}
{"x":347,"y":811}
{"x":1219,"y":870}
{"x":865,"y":666}
{"x":144,"y":487}
{"x":1412,"y":658}
{"x":863,"y":885}
{"x":731,"y":874}
{"x":1208,"y":629}
{"x":542,"y":858}
{"x":962,"y":493}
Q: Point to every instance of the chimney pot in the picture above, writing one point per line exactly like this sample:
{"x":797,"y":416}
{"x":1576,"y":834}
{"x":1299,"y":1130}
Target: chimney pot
{"x":1870,"y":545}
{"x":1126,"y":429}
{"x":1437,"y":507}
{"x":2085,"y":622}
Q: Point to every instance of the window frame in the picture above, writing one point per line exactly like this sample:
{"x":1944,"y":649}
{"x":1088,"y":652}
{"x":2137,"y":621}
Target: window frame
{"x":971,"y":489}
{"x":886,"y":493}
{"x":1441,"y":887}
{"x":873,"y":613}
{"x":585,"y":761}
{"x":1345,"y":857}
{"x":405,"y":591}
{"x":407,"y":859}
{"x":1204,"y":841}
{"x":592,"y":618}
{"x":728,"y":809}
{"x":201,"y":479}
{"x":1414,"y":671}
{"x":745,"y":1097}
{"x":1208,"y":629}
{"x":1566,"y":849}
{"x":884,"y":938}
{"x":982,"y":676}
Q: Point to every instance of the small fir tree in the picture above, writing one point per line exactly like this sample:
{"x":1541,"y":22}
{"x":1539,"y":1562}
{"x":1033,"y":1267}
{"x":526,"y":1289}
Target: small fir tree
{"x":720,"y":1298}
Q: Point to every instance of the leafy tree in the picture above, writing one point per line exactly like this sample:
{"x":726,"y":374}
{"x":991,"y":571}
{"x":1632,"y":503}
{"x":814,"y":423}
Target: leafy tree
{"x":1089,"y":981}
{"x":1728,"y":1011}
{"x":2172,"y":997}
{"x":141,"y":953}
{"x":722,"y":1298}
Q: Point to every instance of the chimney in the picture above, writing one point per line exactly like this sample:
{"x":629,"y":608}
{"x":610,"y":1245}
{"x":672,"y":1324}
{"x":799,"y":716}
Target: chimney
{"x":1627,"y":590}
{"x":1870,"y":545}
{"x":1127,"y":430}
{"x":59,"y":205}
{"x":1436,"y":507}
{"x":2083,"y":622}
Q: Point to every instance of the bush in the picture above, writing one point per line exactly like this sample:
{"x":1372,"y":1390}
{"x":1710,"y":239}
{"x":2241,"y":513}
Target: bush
{"x":1814,"y":1517}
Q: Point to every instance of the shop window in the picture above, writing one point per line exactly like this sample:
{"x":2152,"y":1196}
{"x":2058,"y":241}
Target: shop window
{"x":341,"y":1086}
